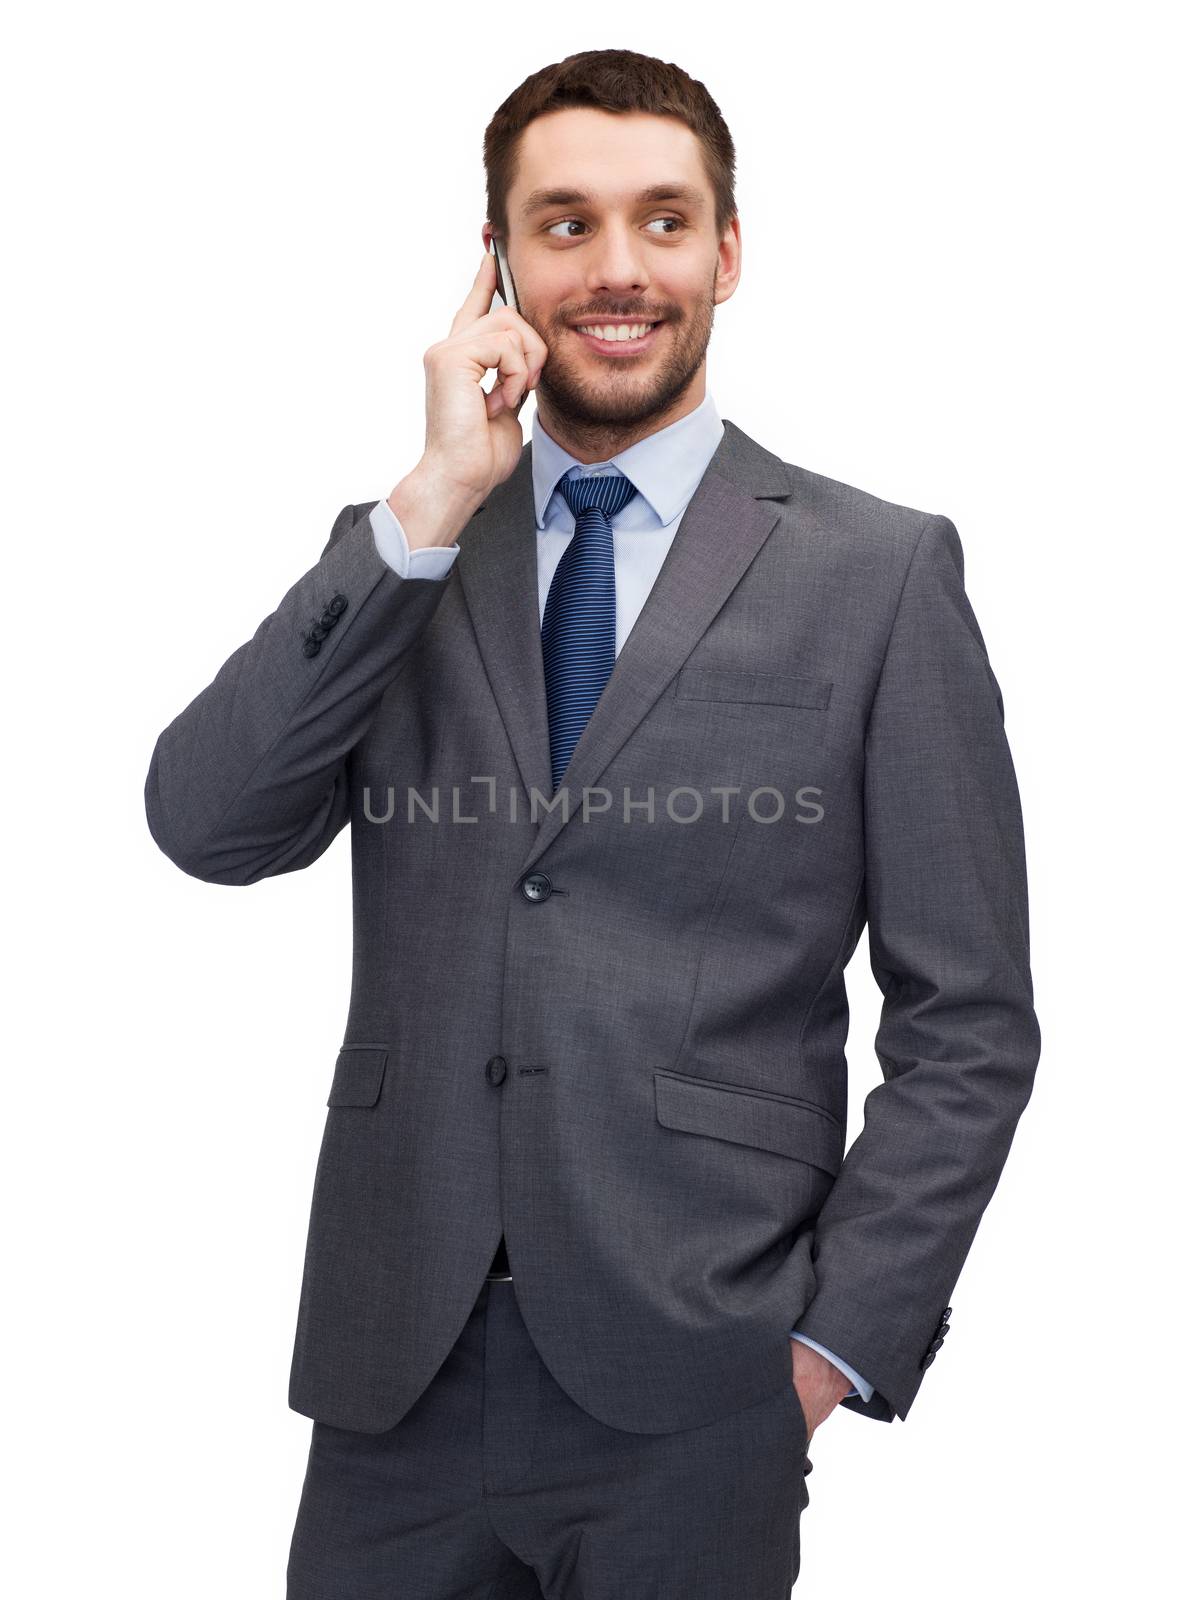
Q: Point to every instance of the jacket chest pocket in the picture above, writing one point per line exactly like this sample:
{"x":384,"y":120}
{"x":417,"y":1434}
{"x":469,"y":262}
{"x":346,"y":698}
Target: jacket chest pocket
{"x":750,"y":710}
{"x":749,"y":686}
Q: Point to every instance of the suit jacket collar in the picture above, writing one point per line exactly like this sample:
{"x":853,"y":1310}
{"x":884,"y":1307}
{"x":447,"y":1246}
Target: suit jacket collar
{"x":725,"y":523}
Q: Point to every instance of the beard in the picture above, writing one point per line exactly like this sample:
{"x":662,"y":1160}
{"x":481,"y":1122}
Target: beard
{"x":584,"y":392}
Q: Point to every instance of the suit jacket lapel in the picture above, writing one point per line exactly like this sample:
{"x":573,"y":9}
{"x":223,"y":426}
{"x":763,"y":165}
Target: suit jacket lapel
{"x":725,"y":523}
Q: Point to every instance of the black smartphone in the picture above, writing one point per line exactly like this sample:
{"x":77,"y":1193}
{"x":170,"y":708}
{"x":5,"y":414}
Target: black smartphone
{"x":506,"y":290}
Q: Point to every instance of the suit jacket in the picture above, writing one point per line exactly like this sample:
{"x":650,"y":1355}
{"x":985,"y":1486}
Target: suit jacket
{"x":625,"y":1048}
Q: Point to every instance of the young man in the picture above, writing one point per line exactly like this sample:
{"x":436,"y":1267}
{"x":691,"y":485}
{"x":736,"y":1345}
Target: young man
{"x":636,"y":727}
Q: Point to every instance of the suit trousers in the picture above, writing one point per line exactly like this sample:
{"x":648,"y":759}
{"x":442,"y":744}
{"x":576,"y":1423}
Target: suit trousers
{"x":495,"y":1485}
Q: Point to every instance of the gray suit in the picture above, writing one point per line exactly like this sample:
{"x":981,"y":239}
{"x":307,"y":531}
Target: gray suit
{"x":626,"y":1043}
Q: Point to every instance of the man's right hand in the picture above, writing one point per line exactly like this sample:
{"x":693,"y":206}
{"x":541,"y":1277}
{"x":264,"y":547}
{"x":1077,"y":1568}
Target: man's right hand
{"x":473,"y":439}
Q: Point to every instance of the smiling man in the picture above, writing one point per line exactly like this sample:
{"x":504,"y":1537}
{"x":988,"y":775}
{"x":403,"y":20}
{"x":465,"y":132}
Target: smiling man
{"x":588,"y":1263}
{"x":658,"y":270}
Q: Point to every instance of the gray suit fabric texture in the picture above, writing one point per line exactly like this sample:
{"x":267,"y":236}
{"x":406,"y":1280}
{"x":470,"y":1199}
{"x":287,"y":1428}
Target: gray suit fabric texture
{"x":625,"y":1043}
{"x":495,"y":1485}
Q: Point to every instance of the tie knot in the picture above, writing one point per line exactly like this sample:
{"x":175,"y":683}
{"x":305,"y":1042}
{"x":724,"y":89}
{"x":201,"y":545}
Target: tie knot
{"x":608,"y":492}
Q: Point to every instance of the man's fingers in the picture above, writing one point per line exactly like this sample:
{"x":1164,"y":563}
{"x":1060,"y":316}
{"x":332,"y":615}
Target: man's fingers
{"x":498,"y":399}
{"x":504,"y":353}
{"x":478,"y":302}
{"x":504,"y":343}
{"x":478,"y":305}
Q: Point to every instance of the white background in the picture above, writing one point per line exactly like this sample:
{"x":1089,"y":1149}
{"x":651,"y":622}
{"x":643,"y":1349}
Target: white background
{"x":233,"y":230}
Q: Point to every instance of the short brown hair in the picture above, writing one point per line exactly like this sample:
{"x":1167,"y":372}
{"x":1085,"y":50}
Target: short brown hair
{"x":610,"y":80}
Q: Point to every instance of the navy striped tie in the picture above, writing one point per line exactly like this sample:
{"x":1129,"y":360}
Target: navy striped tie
{"x":577,"y":635}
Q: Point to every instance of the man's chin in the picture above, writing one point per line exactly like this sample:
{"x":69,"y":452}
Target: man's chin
{"x":618,"y":398}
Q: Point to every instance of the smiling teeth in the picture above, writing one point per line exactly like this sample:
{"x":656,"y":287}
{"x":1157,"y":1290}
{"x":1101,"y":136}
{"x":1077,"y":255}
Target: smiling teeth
{"x":634,"y":330}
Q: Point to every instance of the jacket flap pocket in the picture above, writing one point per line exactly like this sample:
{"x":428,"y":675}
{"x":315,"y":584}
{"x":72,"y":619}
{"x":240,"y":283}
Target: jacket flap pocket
{"x":360,"y":1071}
{"x":750,"y":1116}
{"x":750,"y":685}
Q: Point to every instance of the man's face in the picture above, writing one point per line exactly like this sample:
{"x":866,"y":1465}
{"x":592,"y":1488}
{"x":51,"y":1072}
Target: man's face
{"x":617,"y":254}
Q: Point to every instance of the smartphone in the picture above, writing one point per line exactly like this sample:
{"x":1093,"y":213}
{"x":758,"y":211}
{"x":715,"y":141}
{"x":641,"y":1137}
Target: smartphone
{"x":506,"y":290}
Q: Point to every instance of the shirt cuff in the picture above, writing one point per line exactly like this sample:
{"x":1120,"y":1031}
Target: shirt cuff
{"x":434,"y":561}
{"x":866,"y":1389}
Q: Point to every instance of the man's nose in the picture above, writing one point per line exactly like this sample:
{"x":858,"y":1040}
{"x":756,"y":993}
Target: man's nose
{"x":615,"y":264}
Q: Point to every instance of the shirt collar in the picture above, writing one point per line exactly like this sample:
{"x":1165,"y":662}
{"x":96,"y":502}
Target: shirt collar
{"x":666,"y":467}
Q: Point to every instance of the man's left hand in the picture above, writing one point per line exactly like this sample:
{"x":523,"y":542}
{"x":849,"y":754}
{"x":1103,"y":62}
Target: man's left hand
{"x":819,"y":1384}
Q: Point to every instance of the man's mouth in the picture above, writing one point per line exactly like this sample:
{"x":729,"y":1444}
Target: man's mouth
{"x":628,"y":337}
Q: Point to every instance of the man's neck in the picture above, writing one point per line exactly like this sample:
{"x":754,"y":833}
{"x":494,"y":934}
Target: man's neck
{"x":589,"y":442}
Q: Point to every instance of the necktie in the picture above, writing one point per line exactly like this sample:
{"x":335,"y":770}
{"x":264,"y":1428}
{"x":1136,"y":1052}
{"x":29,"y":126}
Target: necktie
{"x":577,"y":634}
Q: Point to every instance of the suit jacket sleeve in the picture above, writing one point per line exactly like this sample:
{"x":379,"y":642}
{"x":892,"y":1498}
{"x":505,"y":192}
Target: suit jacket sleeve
{"x":958,"y":1042}
{"x":251,"y":779}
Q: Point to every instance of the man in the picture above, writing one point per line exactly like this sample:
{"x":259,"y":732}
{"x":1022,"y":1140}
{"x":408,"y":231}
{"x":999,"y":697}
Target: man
{"x":636,"y":727}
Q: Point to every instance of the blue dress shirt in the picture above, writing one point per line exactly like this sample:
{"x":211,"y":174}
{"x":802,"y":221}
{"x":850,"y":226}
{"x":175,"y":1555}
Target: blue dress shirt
{"x":666,"y":468}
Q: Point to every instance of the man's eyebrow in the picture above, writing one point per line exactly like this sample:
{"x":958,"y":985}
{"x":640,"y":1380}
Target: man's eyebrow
{"x":542,"y":199}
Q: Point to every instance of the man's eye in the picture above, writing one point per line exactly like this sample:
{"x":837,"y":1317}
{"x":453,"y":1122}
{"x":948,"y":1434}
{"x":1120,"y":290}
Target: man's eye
{"x":576,"y":222}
